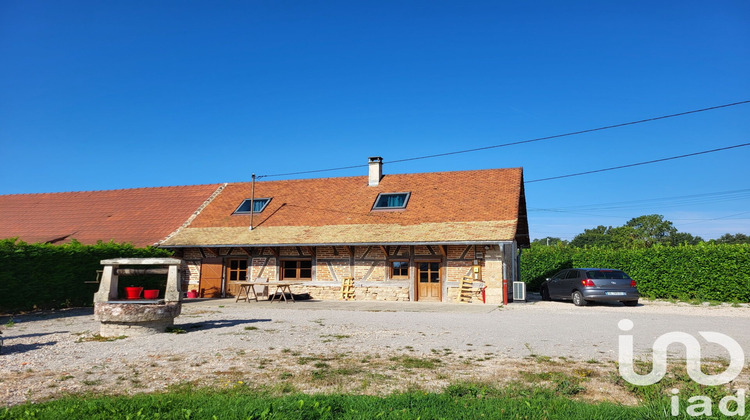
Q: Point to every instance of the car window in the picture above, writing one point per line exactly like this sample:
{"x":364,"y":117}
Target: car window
{"x":572,"y":274}
{"x":560,"y":275}
{"x":606,"y":274}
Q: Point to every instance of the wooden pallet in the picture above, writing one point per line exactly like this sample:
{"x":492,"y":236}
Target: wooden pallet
{"x":347,"y":288}
{"x":465,"y":290}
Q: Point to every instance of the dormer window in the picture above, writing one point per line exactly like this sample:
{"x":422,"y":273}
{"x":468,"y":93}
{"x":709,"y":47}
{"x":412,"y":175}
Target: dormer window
{"x":258,"y":205}
{"x":388,"y":201}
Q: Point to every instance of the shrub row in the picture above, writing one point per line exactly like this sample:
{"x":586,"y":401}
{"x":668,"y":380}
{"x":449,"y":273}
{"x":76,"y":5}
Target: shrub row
{"x":43,"y":276}
{"x":704,"y":271}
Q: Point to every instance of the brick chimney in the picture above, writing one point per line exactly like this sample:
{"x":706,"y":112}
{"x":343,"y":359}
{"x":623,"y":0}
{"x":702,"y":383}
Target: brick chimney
{"x":376,"y":171}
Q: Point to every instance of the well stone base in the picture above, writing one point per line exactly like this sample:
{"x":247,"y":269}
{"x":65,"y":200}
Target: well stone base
{"x":135,"y":318}
{"x":131,"y":329}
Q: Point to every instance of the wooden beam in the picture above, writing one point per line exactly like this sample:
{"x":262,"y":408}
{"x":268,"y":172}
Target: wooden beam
{"x":443,"y":250}
{"x":212,"y":251}
{"x":141,"y":271}
{"x":351,"y":251}
{"x":367,"y":251}
{"x":311,"y":250}
{"x":248,"y":251}
{"x":384,"y":248}
{"x":274,"y":251}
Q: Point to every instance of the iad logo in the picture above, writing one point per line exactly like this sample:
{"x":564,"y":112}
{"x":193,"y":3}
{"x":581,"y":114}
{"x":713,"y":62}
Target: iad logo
{"x":693,"y":359}
{"x":692,"y":365}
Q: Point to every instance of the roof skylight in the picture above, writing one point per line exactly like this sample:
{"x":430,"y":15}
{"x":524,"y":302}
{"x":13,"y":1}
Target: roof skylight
{"x":387,"y":201}
{"x":258,"y":205}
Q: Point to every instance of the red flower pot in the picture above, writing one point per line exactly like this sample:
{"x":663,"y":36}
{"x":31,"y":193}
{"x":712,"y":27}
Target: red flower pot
{"x":151,"y":294}
{"x":133,"y":292}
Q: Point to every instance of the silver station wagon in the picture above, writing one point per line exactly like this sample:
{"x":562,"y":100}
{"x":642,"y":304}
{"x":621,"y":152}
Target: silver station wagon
{"x":582,"y":285}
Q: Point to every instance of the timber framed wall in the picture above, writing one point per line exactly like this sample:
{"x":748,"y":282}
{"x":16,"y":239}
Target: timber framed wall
{"x":371,"y":267}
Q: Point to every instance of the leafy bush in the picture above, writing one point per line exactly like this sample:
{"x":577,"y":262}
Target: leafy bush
{"x":43,"y":276}
{"x":704,"y":271}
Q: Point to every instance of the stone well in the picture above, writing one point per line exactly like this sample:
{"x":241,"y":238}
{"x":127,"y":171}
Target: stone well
{"x":137,"y":316}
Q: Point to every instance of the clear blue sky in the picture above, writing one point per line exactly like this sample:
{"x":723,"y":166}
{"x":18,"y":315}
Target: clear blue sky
{"x":122,"y":94}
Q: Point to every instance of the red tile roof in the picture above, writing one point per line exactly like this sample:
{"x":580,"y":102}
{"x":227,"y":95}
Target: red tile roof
{"x":457,"y":206}
{"x":142,"y":216}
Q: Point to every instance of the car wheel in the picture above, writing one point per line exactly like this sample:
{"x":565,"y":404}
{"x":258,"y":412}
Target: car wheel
{"x":578,"y":299}
{"x":630,"y":302}
{"x":545,"y":293}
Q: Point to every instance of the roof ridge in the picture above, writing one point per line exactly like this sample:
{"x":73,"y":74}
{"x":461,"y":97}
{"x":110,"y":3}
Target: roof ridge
{"x":261,"y":178}
{"x":246,"y":182}
{"x":115,"y":189}
{"x":195,"y":213}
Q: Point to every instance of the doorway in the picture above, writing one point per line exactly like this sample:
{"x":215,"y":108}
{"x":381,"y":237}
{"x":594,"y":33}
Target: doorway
{"x":211,"y":276}
{"x":429,"y":281}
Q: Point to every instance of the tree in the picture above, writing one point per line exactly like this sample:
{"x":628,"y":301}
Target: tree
{"x":639,"y":232}
{"x":549,"y":241}
{"x":738,"y":238}
{"x":684,"y":238}
{"x":598,"y":236}
{"x":648,"y":230}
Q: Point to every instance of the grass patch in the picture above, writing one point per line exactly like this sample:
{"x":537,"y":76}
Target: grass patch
{"x":336,"y":336}
{"x":540,"y":359}
{"x":333,"y":375}
{"x":459,"y":401}
{"x":409,"y":362}
{"x":99,"y":338}
{"x":306,"y":359}
{"x":92,"y":382}
{"x":285,"y":375}
{"x":175,"y":330}
{"x":676,"y":378}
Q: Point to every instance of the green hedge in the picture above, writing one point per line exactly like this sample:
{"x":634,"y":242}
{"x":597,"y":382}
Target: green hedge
{"x":43,"y":276}
{"x":704,"y":271}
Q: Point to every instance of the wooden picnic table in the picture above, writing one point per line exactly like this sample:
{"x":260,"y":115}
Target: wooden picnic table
{"x":284,"y":287}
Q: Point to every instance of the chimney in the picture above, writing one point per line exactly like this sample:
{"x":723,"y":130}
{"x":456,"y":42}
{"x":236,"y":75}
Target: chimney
{"x":376,"y":171}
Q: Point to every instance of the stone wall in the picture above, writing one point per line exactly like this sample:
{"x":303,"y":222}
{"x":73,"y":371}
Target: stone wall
{"x":369,"y":265}
{"x":382,"y":293}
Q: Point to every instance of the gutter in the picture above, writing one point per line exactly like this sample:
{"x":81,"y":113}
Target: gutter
{"x":336,"y":244}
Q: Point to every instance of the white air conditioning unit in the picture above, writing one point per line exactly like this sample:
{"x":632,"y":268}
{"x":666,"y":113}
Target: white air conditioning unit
{"x":519,"y":290}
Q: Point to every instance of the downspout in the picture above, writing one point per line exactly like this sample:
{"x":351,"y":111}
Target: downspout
{"x":518,"y":251}
{"x":518,"y":265}
{"x":506,"y":272}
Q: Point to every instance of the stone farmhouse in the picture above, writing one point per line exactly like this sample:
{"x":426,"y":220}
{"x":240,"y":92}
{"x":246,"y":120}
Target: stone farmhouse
{"x":406,"y":237}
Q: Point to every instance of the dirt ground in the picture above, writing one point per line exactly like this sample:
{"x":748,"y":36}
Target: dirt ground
{"x":366,"y":348}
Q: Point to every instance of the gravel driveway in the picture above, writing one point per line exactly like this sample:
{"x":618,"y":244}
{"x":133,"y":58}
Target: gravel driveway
{"x":48,"y":353}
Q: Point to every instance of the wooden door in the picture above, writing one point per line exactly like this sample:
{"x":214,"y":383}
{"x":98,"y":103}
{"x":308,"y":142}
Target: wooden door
{"x":235,"y":270}
{"x":211,"y":274}
{"x":429,"y":282}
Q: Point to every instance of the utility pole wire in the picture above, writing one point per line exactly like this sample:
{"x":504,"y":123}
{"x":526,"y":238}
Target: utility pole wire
{"x":570,"y":134}
{"x":639,"y":163}
{"x":591,"y":130}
